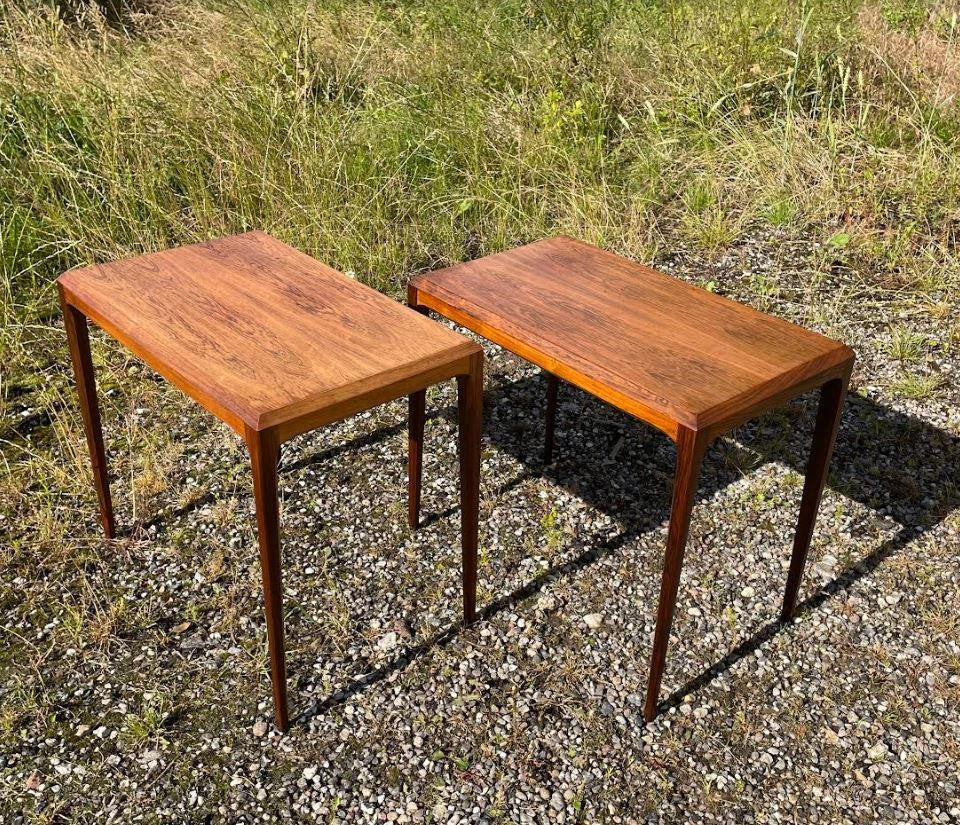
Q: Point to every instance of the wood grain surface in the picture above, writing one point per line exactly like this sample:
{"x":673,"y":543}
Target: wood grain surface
{"x":264,"y":335}
{"x":687,"y":361}
{"x":653,"y":345}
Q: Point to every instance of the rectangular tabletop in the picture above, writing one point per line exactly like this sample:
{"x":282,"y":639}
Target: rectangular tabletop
{"x":662,"y":349}
{"x":262,"y":334}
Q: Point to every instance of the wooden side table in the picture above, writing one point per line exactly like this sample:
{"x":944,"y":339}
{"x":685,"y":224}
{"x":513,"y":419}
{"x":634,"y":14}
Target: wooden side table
{"x":274,"y":343}
{"x":691,"y":363}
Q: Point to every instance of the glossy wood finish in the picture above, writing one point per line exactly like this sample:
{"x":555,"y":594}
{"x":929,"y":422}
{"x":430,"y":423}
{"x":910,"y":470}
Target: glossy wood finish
{"x":687,"y":361}
{"x":653,"y":345}
{"x":78,"y":340}
{"x":273,"y":343}
{"x":825,"y":433}
{"x":261,"y":334}
{"x":690,"y":449}
{"x":264,"y":457}
{"x":470,"y":409}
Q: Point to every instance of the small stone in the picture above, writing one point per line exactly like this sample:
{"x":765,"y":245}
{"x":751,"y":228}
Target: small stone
{"x":309,"y":772}
{"x":259,"y":728}
{"x":388,"y":641}
{"x":546,"y":603}
{"x":748,"y":592}
{"x":403,"y":630}
{"x":82,"y":730}
{"x":593,"y":620}
{"x":878,"y":752}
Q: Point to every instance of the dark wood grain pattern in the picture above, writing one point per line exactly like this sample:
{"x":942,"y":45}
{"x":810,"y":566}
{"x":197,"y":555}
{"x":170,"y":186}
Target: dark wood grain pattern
{"x":653,"y":345}
{"x":687,"y":361}
{"x":261,"y":334}
{"x":273,"y":343}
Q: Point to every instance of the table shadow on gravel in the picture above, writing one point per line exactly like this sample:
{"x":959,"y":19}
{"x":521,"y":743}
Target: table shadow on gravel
{"x":898,"y":466}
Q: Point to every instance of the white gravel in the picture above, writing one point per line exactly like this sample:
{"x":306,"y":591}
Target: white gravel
{"x":153,"y":704}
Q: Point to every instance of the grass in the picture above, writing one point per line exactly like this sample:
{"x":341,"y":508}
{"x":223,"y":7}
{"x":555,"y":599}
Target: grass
{"x":917,"y":387}
{"x":388,"y":138}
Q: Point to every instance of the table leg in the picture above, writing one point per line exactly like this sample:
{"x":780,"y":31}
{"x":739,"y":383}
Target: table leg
{"x":417,"y":416}
{"x":825,"y":433}
{"x":264,"y":453}
{"x":690,"y":450}
{"x":79,"y":340}
{"x":553,"y":386}
{"x":470,"y":406}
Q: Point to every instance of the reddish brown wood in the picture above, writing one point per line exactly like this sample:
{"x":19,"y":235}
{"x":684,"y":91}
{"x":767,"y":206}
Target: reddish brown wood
{"x":79,"y":341}
{"x":470,"y":408}
{"x":825,"y":433}
{"x":653,"y":345}
{"x":553,"y":387}
{"x":690,"y":449}
{"x":273,"y":343}
{"x":263,"y":335}
{"x":417,"y":403}
{"x":264,"y":455}
{"x":687,"y":361}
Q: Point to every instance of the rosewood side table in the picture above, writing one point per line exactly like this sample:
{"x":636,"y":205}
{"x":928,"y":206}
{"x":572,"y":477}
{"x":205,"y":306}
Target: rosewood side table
{"x":274,"y":343}
{"x":691,"y":363}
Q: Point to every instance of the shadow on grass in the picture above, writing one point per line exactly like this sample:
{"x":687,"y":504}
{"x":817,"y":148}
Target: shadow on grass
{"x":895,"y":464}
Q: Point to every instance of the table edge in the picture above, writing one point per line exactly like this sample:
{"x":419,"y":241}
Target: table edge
{"x":717,"y":419}
{"x":324,"y":407}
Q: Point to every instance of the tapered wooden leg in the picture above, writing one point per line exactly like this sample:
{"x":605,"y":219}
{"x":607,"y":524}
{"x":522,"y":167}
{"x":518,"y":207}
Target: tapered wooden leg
{"x":825,"y":433}
{"x":79,"y":341}
{"x":264,"y":453}
{"x":553,"y":386}
{"x":417,"y":412}
{"x":470,"y":405}
{"x":418,"y":406}
{"x":690,"y":450}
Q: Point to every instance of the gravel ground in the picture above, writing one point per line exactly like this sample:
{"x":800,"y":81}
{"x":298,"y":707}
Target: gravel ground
{"x":134,"y":687}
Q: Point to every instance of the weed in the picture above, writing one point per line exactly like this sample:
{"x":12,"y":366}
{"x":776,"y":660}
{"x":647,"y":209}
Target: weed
{"x":904,"y":345}
{"x":552,"y":529}
{"x":917,"y":387}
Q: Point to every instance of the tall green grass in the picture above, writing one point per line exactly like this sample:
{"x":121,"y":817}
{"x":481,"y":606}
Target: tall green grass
{"x":390,"y":137}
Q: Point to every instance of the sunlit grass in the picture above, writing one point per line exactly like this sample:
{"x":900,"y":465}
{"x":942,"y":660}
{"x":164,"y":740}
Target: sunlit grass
{"x":390,"y":138}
